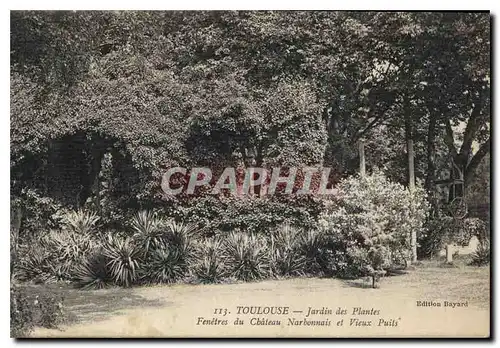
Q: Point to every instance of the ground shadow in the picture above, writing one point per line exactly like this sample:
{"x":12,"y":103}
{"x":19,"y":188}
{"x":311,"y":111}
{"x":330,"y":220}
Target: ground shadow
{"x":366,"y":282}
{"x":362,"y":283}
{"x":93,"y":305}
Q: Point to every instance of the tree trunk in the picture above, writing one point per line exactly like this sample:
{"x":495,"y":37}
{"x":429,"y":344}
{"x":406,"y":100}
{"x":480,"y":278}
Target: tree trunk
{"x":411,"y":169}
{"x":449,"y":253}
{"x":411,"y":166}
{"x":457,"y":170}
{"x":431,"y":154}
{"x":362,"y":164}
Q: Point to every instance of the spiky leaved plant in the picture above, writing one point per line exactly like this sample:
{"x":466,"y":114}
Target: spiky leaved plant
{"x":33,"y":266}
{"x":94,"y":273}
{"x":481,"y":256}
{"x":165,"y":265}
{"x":81,"y":221}
{"x":180,"y":233}
{"x":286,"y":259}
{"x":246,"y":256}
{"x":183,"y":238}
{"x":123,"y":259}
{"x":209,"y":266}
{"x":148,"y":229}
{"x":69,"y":246}
{"x":312,"y":248}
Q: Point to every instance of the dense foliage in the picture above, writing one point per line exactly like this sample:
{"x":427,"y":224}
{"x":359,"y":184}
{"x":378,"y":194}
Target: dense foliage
{"x":104,"y":102}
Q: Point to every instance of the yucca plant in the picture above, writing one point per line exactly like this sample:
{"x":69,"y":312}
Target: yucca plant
{"x":94,"y":273}
{"x":165,"y":265}
{"x":209,"y":267}
{"x":481,"y":256}
{"x":312,"y":248}
{"x":288,"y":263}
{"x":148,"y":229}
{"x":61,"y":271}
{"x":34,"y":265}
{"x":285,"y":256}
{"x":179,"y":233}
{"x":123,"y":259}
{"x":70,"y":246}
{"x":246,"y":256}
{"x":182,"y":237}
{"x":211,"y":247}
{"x":81,"y":221}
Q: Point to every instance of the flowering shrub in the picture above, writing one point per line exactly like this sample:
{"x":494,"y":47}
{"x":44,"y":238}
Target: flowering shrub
{"x":369,"y":223}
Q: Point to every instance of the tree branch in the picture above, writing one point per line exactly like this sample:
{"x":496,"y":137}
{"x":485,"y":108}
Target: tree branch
{"x":431,"y":150}
{"x":472,"y":126}
{"x":476,"y":159}
{"x":372,"y":124}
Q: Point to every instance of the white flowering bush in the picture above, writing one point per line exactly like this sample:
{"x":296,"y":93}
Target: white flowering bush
{"x":369,"y":225}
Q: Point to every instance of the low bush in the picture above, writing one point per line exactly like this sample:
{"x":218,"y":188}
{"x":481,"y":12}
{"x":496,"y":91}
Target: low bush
{"x":53,"y":256}
{"x":69,"y":245}
{"x":21,"y":313}
{"x":171,"y":256}
{"x":148,"y":230}
{"x":81,"y":222}
{"x":209,"y":269}
{"x":116,"y":262}
{"x":33,"y":266}
{"x":312,"y":247}
{"x":363,"y":230}
{"x":28,"y":311}
{"x":181,"y":235}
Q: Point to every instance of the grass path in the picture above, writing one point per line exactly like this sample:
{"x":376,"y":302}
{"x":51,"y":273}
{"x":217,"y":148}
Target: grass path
{"x":173,"y":311}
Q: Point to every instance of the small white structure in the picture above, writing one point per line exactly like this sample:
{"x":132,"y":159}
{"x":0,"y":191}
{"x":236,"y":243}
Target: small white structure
{"x":463,"y":250}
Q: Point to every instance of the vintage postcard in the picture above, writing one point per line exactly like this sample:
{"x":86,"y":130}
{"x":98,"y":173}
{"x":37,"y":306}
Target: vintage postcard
{"x":250,"y":174}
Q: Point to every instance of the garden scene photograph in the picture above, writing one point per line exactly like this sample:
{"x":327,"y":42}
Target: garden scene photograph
{"x":250,"y":174}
